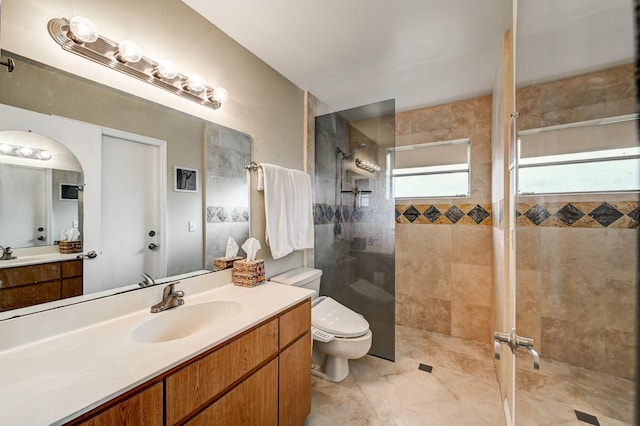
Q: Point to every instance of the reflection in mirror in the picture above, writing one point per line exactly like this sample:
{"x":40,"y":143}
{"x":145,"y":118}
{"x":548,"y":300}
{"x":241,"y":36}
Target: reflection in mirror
{"x":577,"y":239}
{"x":227,"y":194}
{"x":38,"y":193}
{"x":74,"y":98}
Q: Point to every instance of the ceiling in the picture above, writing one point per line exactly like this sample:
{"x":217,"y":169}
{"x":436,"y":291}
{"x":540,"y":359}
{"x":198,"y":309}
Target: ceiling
{"x":418,"y":52}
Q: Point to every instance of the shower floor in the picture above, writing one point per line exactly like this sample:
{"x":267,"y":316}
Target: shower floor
{"x":444,"y":380}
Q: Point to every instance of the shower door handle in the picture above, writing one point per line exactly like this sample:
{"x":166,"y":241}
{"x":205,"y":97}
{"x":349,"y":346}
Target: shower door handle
{"x":514,"y":341}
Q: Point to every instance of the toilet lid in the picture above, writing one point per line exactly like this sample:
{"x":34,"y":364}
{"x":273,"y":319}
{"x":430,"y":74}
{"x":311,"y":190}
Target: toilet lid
{"x":332,"y":317}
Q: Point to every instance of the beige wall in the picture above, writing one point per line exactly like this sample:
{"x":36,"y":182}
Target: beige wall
{"x":577,"y":284}
{"x":261,"y":103}
{"x":444,"y":270}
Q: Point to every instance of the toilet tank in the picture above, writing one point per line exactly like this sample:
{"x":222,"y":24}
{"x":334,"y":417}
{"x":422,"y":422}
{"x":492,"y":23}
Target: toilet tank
{"x":301,"y":277}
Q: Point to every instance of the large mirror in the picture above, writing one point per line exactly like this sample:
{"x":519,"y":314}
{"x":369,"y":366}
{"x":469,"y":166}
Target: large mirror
{"x":194,"y":220}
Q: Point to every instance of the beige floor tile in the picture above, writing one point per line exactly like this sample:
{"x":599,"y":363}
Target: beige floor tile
{"x":462,"y":389}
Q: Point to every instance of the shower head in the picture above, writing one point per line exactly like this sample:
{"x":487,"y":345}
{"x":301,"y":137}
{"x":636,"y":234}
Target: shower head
{"x":347,"y":156}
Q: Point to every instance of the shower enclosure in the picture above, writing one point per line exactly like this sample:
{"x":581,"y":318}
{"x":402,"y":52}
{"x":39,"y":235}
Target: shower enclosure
{"x":578,"y":212}
{"x":354,"y":215}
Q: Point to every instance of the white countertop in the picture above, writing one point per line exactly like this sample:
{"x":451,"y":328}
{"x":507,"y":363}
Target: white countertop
{"x":51,"y":379}
{"x":37,"y":259}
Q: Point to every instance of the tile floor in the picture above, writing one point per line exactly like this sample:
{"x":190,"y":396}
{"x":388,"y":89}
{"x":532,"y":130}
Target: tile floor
{"x":462,"y":389}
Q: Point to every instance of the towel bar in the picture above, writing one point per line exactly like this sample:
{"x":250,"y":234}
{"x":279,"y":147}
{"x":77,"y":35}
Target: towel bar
{"x":253,"y":166}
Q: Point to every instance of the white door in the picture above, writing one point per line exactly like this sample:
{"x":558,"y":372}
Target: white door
{"x":132,"y":219}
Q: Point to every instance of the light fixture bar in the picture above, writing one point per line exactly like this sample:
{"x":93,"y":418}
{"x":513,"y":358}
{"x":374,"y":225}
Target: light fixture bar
{"x":107,"y":52}
{"x":367,"y":165}
{"x":25,"y":152}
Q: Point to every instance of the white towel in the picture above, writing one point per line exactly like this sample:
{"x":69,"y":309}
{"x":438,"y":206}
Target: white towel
{"x":288,"y":205}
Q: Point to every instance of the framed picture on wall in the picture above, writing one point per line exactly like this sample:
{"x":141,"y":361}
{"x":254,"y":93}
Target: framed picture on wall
{"x":68,"y":192}
{"x":185,"y":179}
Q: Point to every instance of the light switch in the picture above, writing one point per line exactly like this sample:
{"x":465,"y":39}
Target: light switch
{"x":75,"y":224}
{"x":192,"y":226}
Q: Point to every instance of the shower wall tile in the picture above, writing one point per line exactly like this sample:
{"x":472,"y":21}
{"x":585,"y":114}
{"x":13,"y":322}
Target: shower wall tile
{"x":470,"y":321}
{"x":579,"y":214}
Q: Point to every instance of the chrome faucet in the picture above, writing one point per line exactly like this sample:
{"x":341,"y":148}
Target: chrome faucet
{"x":147,"y":280}
{"x":170,"y":299}
{"x":7,"y":254}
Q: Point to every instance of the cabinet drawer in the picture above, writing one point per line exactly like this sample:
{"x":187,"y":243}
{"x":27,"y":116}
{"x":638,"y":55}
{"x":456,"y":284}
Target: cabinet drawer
{"x":27,"y":295}
{"x":200,"y":382}
{"x":72,"y":268}
{"x":295,"y":323}
{"x":12,"y":277}
{"x":144,"y":408}
{"x":253,"y":402}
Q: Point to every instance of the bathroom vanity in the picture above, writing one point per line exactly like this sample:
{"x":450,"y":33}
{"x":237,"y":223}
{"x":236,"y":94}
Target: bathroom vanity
{"x":24,"y":283}
{"x":247,"y":365}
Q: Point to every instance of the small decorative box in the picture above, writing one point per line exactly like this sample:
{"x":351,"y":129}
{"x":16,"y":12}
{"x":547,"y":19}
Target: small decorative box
{"x":248,"y":273}
{"x":221,"y":263}
{"x":68,"y":247}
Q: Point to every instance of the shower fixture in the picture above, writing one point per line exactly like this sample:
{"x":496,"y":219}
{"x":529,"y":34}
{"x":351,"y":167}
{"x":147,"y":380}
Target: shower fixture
{"x":346,"y":156}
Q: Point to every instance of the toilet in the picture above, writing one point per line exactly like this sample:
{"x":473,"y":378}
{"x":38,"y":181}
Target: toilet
{"x":339,"y":334}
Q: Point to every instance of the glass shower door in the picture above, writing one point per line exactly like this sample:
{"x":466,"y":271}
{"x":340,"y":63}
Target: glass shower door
{"x":578,"y":211}
{"x":354,"y":216}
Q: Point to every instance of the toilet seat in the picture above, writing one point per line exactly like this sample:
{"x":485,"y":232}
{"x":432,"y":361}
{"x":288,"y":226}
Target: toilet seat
{"x":333,"y":318}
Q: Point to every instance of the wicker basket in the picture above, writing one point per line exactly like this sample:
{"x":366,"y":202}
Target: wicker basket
{"x":68,"y":247}
{"x":248,"y":273}
{"x":221,"y":263}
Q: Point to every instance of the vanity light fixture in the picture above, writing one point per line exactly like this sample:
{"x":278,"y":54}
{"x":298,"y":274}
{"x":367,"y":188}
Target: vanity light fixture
{"x":25,"y":152}
{"x":80,"y":36}
{"x":367,"y":165}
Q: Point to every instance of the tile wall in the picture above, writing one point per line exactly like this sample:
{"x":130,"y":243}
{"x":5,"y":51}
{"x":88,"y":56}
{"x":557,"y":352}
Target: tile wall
{"x":444,"y":254}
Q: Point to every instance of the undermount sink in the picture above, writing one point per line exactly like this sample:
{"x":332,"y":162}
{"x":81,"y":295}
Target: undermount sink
{"x":185,"y":320}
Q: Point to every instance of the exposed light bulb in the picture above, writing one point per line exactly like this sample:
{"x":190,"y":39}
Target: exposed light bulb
{"x":128,"y":51}
{"x":220,"y":94}
{"x":26,"y":151}
{"x":166,"y":69}
{"x":83,"y":30}
{"x":5,"y":148}
{"x":195,"y":83}
{"x":45,"y":155}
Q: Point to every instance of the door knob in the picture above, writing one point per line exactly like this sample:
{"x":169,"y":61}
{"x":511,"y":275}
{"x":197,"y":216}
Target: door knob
{"x":91,"y":255}
{"x":514,"y":341}
{"x":41,"y":238}
{"x":153,"y":247}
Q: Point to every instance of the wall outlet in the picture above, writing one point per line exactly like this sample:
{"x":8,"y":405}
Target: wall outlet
{"x":192,"y":226}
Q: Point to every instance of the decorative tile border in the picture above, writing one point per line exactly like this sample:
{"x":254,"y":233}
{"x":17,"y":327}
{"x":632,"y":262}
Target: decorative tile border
{"x":227,"y":214}
{"x":330,"y":213}
{"x":444,"y":214}
{"x":580,"y":214}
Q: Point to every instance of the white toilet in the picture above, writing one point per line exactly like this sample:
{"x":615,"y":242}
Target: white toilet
{"x":339,"y":334}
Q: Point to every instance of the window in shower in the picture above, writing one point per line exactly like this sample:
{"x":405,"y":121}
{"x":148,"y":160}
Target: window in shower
{"x":600,"y":156}
{"x":431,"y":170}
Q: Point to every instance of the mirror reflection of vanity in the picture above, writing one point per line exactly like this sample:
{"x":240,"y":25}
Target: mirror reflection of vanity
{"x":189,"y":236}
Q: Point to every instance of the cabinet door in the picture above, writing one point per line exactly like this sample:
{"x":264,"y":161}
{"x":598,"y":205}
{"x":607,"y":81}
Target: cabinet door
{"x":295,"y":382}
{"x":143,"y":408}
{"x":71,"y":287}
{"x":202,"y":381}
{"x":252,"y":402}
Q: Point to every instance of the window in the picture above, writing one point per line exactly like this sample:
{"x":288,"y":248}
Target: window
{"x":430,"y":170}
{"x":598,"y":156}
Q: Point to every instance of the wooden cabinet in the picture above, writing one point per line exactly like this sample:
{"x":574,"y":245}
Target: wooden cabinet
{"x":202,"y":381}
{"x":22,"y":286}
{"x":254,"y":402}
{"x":142,"y":408}
{"x":261,"y":377}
